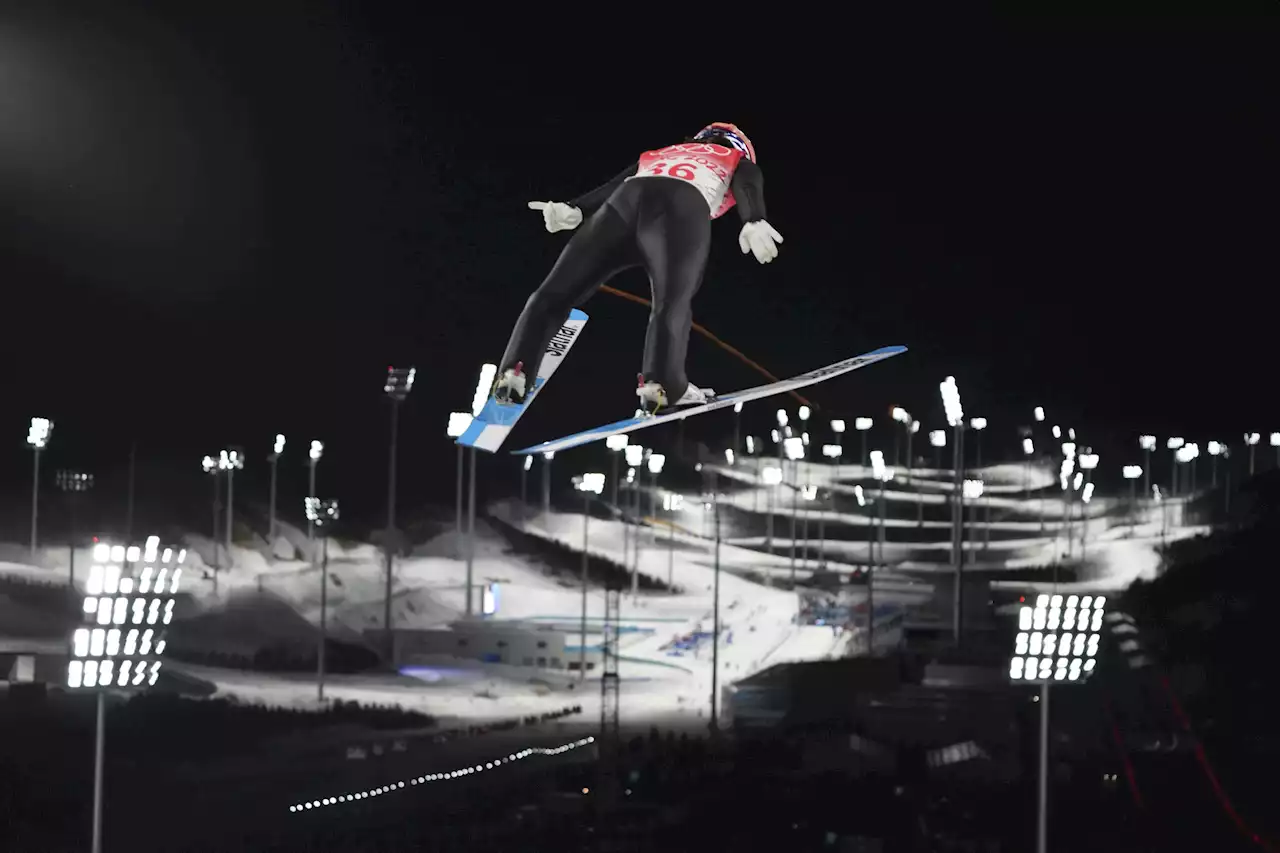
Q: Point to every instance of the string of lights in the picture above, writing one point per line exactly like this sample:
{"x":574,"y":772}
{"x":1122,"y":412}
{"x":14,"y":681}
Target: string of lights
{"x":439,"y":777}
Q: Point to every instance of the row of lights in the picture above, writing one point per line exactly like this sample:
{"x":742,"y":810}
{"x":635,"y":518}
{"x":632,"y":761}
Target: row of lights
{"x":439,"y":777}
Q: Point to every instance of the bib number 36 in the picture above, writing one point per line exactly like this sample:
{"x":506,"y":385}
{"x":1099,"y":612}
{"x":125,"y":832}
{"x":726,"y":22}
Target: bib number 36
{"x":675,"y":170}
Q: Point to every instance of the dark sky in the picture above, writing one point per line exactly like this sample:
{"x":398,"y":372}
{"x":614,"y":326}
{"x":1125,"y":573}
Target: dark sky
{"x":215,"y":226}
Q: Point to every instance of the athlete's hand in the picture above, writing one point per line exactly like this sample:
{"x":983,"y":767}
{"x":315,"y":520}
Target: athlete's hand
{"x":557,"y":215}
{"x":761,"y":239}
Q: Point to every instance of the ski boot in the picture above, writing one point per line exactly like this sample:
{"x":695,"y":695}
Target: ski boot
{"x":653,"y":396}
{"x":510,"y":388}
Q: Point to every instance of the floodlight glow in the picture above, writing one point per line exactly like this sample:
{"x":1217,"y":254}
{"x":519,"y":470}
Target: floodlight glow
{"x":771,"y":475}
{"x":528,"y":462}
{"x":782,"y":417}
{"x":877,"y":464}
{"x":316,"y":451}
{"x":1252,"y":438}
{"x":737,"y":408}
{"x":915,"y":427}
{"x":1078,"y":481}
{"x":634,"y":454}
{"x":399,"y":382}
{"x":1132,"y":472}
{"x":1088,"y":461}
{"x":1028,"y":446}
{"x":1057,"y":431}
{"x":458,"y":423}
{"x":483,"y":387}
{"x":804,"y":436}
{"x":837,"y":426}
{"x":656,"y":461}
{"x":1215,"y":448}
{"x":1275,"y":439}
{"x":672,"y":501}
{"x":616,"y":442}
{"x":900,"y":415}
{"x":978,"y":423}
{"x":1184,"y":453}
{"x":831,"y":451}
{"x":593,"y":483}
{"x":972,"y":489}
{"x":1088,"y":493}
{"x":938,"y":438}
{"x":38,"y":433}
{"x":794,"y":448}
{"x":1175,"y":442}
{"x":862,"y":424}
{"x":1071,"y":433}
{"x":278,"y":448}
{"x":1039,"y":413}
{"x":860,"y":495}
{"x":751,"y":445}
{"x":773,"y":434}
{"x":1147,"y":442}
{"x":1042,"y":653}
{"x":804,"y":413}
{"x":230,"y":460}
{"x":318,"y":512}
{"x":728,"y":455}
{"x":951,"y":401}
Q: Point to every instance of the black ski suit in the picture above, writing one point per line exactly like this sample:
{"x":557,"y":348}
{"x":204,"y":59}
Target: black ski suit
{"x":659,"y":223}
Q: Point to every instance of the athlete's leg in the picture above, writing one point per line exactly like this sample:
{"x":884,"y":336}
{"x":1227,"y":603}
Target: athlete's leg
{"x":600,"y":248}
{"x":674,"y":235}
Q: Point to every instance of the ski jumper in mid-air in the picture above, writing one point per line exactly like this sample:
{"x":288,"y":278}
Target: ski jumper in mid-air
{"x":655,"y":214}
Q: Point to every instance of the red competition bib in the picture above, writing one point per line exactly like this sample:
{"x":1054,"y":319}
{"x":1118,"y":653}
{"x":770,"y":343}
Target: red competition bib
{"x":707,"y":166}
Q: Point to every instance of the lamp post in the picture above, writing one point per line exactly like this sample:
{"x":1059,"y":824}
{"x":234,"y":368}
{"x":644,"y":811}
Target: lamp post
{"x":73,"y":484}
{"x":634,"y":455}
{"x":314,"y":452}
{"x":1028,"y":450}
{"x":524,"y":483}
{"x":322,"y":514}
{"x":37,"y":439}
{"x":273,"y":458}
{"x":837,"y":429}
{"x":795,"y":450}
{"x":1038,"y":413}
{"x":230,"y":460}
{"x":831,"y":451}
{"x":901,"y":416}
{"x":862,"y":425}
{"x":882,"y":475}
{"x":1132,"y":473}
{"x":483,"y":386}
{"x":1174,"y":444}
{"x":1088,"y":462}
{"x":588,"y":484}
{"x":1064,"y":479}
{"x":938,"y":440}
{"x":737,"y":429}
{"x":771,"y":476}
{"x":1275,"y":442}
{"x":1054,"y":644}
{"x":672,"y":503}
{"x":1148,"y":444}
{"x":955,"y":417}
{"x":458,"y":423}
{"x":972,"y":490}
{"x":1251,"y":439}
{"x":397,"y":385}
{"x":210,"y":466}
{"x":656,"y":461}
{"x":978,"y":425}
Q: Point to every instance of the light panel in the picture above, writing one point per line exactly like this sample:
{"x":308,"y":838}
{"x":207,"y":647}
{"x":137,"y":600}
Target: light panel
{"x":124,"y":617}
{"x":1058,"y":638}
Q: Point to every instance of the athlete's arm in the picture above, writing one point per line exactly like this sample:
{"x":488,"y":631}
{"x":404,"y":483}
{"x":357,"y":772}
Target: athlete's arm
{"x":588,"y":202}
{"x":747,"y":185}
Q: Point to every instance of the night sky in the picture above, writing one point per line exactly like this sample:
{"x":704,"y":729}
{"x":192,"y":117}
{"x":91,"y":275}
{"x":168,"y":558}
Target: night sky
{"x":216,"y":226}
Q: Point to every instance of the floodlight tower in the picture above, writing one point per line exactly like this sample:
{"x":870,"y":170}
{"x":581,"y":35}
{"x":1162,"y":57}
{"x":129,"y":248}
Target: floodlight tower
{"x":37,"y":439}
{"x":937,"y":440}
{"x":210,"y":466}
{"x":978,"y":425}
{"x":972,"y":490}
{"x":1132,"y":473}
{"x":273,"y":458}
{"x":1088,"y":462}
{"x":1251,"y":439}
{"x":1148,"y":444}
{"x":882,"y":475}
{"x":73,"y":484}
{"x":771,"y":476}
{"x":230,"y":460}
{"x":588,"y":484}
{"x":1174,"y":444}
{"x":862,"y":425}
{"x":804,"y":425}
{"x":322,"y":514}
{"x":397,"y":385}
{"x":672,"y":503}
{"x":615,"y":444}
{"x":1054,"y":644}
{"x":656,"y":461}
{"x":313,"y":458}
{"x":634,"y":454}
{"x":1038,"y":412}
{"x":458,"y":423}
{"x":737,"y":430}
{"x":900,"y":416}
{"x":955,"y":417}
{"x":1275,"y":442}
{"x":483,"y":387}
{"x":795,"y":450}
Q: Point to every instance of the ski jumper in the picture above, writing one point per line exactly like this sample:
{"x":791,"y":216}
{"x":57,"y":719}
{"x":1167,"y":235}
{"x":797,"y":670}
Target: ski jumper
{"x":655,"y":214}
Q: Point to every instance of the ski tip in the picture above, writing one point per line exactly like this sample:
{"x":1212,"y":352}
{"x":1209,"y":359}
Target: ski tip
{"x":577,"y":314}
{"x":893,"y":350}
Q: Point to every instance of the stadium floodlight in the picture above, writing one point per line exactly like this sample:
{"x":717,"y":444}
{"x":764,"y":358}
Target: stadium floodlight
{"x":1057,"y":431}
{"x":737,"y":408}
{"x":1088,"y":461}
{"x":972,"y":489}
{"x":322,"y":514}
{"x":915,"y":427}
{"x":900,"y":415}
{"x":634,"y":455}
{"x":978,"y":423}
{"x":804,"y":413}
{"x":1028,"y":446}
{"x":1147,"y":442}
{"x":837,"y":426}
{"x":860,"y":495}
{"x":794,"y":448}
{"x":396,"y":386}
{"x":231,"y":461}
{"x":458,"y":423}
{"x":1215,"y":447}
{"x":37,"y":439}
{"x":1275,"y":439}
{"x":831,"y":451}
{"x":751,"y":445}
{"x":1132,"y":472}
{"x":1079,"y":481}
{"x":877,"y":465}
{"x":771,"y":475}
{"x":782,"y":417}
{"x":1252,"y":438}
{"x":73,"y":484}
{"x":1071,"y":433}
{"x":120,"y":639}
{"x":399,"y":382}
{"x":775,"y":436}
{"x":656,"y":461}
{"x":316,"y":451}
{"x":951,"y":401}
{"x":938,"y":437}
{"x":1175,"y":442}
{"x":588,"y":484}
{"x":1087,"y":494}
{"x":862,"y":424}
{"x":728,"y":455}
{"x":1039,"y":414}
{"x":274,"y":459}
{"x":1055,"y":644}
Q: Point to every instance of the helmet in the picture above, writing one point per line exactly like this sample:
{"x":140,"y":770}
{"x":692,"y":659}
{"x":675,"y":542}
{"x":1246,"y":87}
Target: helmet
{"x":731,"y":134}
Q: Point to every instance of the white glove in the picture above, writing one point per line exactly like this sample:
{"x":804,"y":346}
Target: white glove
{"x":557,"y":215}
{"x":761,"y":239}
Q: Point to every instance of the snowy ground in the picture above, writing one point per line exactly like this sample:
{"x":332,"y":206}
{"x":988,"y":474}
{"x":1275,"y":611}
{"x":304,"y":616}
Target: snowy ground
{"x":261,"y":600}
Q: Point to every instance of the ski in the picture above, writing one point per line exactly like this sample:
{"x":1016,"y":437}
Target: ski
{"x":720,"y":402}
{"x":489,"y":429}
